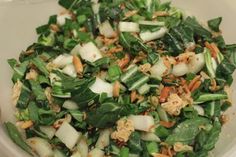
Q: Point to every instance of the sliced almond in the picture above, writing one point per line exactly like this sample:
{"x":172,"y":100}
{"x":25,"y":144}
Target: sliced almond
{"x":160,"y":14}
{"x":196,"y":86}
{"x":164,"y":94}
{"x":116,"y":89}
{"x":130,"y":13}
{"x":191,"y":84}
{"x":213,"y":49}
{"x":167,"y":124}
{"x":133,"y":96}
{"x":124,"y":61}
{"x":54,"y":28}
{"x":115,"y":50}
{"x":78,"y":64}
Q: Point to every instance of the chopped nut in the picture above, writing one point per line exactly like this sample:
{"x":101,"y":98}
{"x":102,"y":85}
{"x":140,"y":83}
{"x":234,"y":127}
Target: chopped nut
{"x":16,"y":92}
{"x":32,"y":75}
{"x":145,"y":67}
{"x":124,"y":129}
{"x":179,"y":147}
{"x":130,"y":13}
{"x":54,"y":28}
{"x":164,"y":94}
{"x":154,"y":100}
{"x":116,"y":89}
{"x":124,"y":61}
{"x":159,"y":14}
{"x":133,"y":96}
{"x":191,"y":84}
{"x":48,"y":94}
{"x":26,"y":124}
{"x":78,"y":64}
{"x":167,"y":124}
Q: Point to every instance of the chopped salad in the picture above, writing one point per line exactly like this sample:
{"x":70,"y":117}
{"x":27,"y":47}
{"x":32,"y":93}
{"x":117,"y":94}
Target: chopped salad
{"x":122,"y":78}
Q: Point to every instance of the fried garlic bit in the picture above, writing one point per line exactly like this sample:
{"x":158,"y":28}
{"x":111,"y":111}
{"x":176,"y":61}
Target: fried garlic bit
{"x":16,"y":92}
{"x":179,"y":147}
{"x":174,"y":105}
{"x":124,"y":129}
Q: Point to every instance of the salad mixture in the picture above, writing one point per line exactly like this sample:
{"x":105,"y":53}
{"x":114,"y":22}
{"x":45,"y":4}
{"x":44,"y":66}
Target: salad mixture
{"x":122,"y":78}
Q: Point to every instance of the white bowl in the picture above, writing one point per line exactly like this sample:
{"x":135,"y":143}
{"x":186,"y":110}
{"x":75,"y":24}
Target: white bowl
{"x":19,"y":18}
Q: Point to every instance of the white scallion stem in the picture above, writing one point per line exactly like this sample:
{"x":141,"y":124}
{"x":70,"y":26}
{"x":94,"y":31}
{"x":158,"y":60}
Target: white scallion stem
{"x":129,"y":27}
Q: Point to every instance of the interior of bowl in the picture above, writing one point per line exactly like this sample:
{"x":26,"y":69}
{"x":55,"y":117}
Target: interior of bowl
{"x":19,"y":20}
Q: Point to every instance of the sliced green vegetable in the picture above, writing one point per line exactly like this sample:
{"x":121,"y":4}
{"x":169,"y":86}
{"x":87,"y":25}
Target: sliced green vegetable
{"x":152,"y":148}
{"x":124,"y":152}
{"x":16,"y":137}
{"x":213,"y":108}
{"x":209,"y":63}
{"x":24,"y":98}
{"x":129,"y":73}
{"x":33,"y":112}
{"x":214,"y":24}
{"x":210,"y":97}
{"x":114,"y":72}
{"x":41,"y":65}
{"x":106,"y":115}
{"x":186,"y":131}
{"x":173,"y":44}
{"x":37,"y":90}
{"x":198,"y":29}
{"x":135,"y":143}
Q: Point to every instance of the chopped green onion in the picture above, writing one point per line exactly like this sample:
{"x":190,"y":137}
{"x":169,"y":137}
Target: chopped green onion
{"x":130,"y":72}
{"x":209,"y":63}
{"x":114,"y":73}
{"x":152,"y":148}
{"x":209,"y":97}
{"x":144,"y":89}
{"x":124,"y":152}
{"x":41,"y":65}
